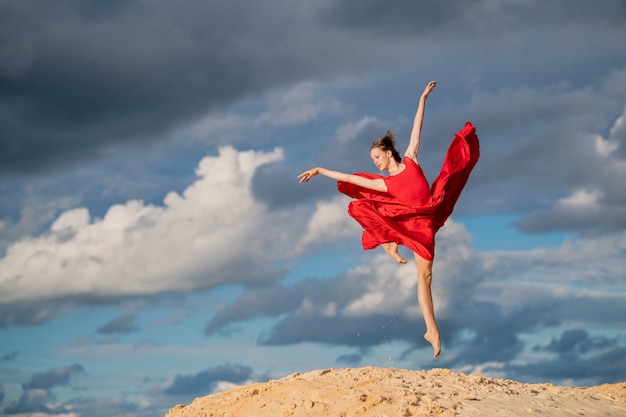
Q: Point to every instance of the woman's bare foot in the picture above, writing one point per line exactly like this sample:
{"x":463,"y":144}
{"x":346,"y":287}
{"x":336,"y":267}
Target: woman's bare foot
{"x":392,"y":250}
{"x":435,"y":341}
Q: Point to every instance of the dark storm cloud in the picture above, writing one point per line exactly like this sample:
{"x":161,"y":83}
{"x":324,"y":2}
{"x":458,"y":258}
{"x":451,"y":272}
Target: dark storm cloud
{"x":581,"y":171}
{"x":540,"y":146}
{"x":94,"y":76}
{"x":495,"y":335}
{"x":397,"y":17}
{"x":123,"y":324}
{"x":278,"y":186}
{"x":597,"y":311}
{"x":43,"y":401}
{"x":76,"y":77}
{"x":44,"y":311}
{"x":34,"y":401}
{"x":10,"y":356}
{"x":586,"y":221}
{"x":311,"y":327}
{"x":353,"y":359}
{"x":31,"y":314}
{"x":536,"y":131}
{"x":111,"y":407}
{"x":79,"y":76}
{"x":204,"y":382}
{"x":37,"y":394}
{"x":54,"y":377}
{"x":458,"y":17}
{"x":364,"y":331}
{"x":577,"y":341}
{"x":79,"y":79}
{"x":272,"y":301}
{"x":478,"y":332}
{"x":308,"y":312}
{"x":302,"y":318}
{"x":580,"y":357}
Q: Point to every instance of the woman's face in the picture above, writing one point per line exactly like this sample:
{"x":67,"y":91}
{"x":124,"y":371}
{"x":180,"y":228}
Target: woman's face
{"x":380,"y":158}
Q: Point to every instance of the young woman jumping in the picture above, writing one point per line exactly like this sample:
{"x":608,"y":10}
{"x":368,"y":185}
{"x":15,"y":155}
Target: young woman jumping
{"x":402,"y":208}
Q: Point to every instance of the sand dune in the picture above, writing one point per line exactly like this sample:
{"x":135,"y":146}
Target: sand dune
{"x":382,"y":392}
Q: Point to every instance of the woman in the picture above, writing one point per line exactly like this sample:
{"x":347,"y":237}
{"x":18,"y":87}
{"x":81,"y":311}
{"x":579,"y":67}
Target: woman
{"x":402,"y":209}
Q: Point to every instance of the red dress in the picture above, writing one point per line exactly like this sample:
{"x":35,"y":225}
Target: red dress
{"x":411,"y":211}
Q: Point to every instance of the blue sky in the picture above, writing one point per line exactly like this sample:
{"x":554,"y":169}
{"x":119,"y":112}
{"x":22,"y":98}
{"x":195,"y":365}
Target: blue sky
{"x":155,"y":245}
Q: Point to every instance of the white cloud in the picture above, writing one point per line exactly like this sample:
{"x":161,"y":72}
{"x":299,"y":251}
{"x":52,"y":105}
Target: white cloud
{"x":308,"y":307}
{"x":329,"y":223}
{"x":215,"y":232}
{"x":349,"y":131}
{"x":604,"y":147}
{"x":581,"y":200}
{"x":618,"y":130}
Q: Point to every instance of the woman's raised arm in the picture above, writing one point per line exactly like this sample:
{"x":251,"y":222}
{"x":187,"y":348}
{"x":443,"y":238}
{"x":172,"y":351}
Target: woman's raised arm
{"x":377,"y":184}
{"x":414,"y":142}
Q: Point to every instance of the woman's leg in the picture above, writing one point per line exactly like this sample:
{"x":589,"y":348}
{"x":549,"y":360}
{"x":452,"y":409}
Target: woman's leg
{"x":376,"y":230}
{"x":425,"y":298}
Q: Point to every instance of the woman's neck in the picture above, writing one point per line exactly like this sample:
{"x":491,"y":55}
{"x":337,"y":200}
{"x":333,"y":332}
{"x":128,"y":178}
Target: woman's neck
{"x":395,"y":167}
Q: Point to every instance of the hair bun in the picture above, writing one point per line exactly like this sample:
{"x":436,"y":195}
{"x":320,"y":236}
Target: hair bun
{"x":388,"y":143}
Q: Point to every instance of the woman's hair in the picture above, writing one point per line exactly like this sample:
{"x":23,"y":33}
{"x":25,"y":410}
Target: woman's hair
{"x":387,"y":143}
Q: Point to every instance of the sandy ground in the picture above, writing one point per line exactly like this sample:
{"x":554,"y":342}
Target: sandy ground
{"x":382,"y":392}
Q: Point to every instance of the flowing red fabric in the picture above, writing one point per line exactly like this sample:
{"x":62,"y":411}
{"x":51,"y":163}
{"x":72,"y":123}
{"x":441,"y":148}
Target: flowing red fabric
{"x":411,"y":211}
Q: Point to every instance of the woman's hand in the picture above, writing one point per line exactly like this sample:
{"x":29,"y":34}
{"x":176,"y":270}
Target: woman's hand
{"x":430,"y":87}
{"x":307,"y":175}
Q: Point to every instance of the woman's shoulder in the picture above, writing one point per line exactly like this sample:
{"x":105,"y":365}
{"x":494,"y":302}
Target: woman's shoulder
{"x":410,"y":161}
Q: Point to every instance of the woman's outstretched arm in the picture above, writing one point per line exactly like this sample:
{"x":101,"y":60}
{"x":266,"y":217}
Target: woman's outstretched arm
{"x":414,"y":142}
{"x":377,"y":184}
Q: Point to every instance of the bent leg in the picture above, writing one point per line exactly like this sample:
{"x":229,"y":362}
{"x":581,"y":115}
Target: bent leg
{"x":392,"y":250}
{"x":425,"y":298}
{"x":376,"y":229}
